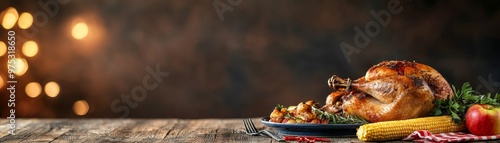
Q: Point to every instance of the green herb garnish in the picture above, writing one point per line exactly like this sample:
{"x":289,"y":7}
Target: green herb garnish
{"x":338,"y":119}
{"x":464,"y":98}
{"x":289,"y":116}
{"x":279,"y":106}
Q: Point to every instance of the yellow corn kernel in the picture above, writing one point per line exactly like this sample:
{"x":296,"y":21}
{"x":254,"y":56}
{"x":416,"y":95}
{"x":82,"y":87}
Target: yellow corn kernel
{"x":399,"y":129}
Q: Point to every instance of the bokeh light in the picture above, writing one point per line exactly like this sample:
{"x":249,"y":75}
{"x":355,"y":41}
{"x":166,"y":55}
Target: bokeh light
{"x":25,"y":20}
{"x":20,"y":66}
{"x":3,"y":48}
{"x":33,"y":89}
{"x":2,"y":82}
{"x":9,"y":18}
{"x":81,"y":107}
{"x":80,"y":31}
{"x":52,"y":89}
{"x":30,"y":48}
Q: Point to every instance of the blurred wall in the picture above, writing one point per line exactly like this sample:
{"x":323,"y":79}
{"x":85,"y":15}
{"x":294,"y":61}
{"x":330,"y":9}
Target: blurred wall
{"x":261,"y":53}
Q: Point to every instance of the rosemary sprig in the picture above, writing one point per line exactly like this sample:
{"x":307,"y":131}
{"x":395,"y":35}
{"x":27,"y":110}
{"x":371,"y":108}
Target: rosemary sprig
{"x":338,"y":119}
{"x":461,"y":101}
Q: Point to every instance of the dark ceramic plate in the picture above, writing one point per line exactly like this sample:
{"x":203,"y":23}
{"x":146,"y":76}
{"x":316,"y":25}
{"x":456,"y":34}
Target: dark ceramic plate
{"x":320,"y":130}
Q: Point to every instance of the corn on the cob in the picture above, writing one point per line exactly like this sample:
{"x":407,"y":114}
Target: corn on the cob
{"x":399,"y":129}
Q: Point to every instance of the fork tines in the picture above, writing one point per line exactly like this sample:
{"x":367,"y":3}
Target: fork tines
{"x":249,"y":126}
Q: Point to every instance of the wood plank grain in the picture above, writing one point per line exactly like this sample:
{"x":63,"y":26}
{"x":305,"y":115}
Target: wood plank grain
{"x":136,"y":130}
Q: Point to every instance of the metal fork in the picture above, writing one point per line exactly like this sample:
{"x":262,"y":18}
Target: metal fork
{"x":252,"y":130}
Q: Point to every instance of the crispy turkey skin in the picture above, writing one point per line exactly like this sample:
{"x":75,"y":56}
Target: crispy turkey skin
{"x":390,"y":90}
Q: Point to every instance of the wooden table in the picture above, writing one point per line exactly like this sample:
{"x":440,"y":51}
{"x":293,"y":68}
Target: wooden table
{"x":134,"y":130}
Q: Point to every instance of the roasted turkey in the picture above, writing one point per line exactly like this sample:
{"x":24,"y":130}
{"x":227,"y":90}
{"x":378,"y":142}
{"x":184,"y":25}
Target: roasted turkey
{"x":390,"y":90}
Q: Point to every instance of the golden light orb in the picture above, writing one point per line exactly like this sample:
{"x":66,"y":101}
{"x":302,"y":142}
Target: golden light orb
{"x":20,"y":66}
{"x":33,"y":89}
{"x":9,"y":19}
{"x":3,"y":48}
{"x":80,"y":31}
{"x":30,"y":48}
{"x":52,"y":89}
{"x":25,"y":20}
{"x":81,"y":107}
{"x":2,"y":82}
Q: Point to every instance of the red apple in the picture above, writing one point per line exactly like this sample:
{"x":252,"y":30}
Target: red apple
{"x":482,"y":119}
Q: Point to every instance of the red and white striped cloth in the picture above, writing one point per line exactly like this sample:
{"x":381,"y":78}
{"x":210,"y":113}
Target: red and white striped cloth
{"x":427,"y":137}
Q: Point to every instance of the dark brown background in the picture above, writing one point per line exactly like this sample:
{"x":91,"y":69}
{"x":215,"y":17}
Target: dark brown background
{"x":261,"y":54}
